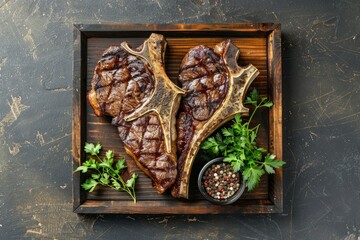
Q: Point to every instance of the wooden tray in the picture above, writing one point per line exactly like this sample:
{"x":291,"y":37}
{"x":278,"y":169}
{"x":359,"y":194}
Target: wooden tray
{"x":259,"y":44}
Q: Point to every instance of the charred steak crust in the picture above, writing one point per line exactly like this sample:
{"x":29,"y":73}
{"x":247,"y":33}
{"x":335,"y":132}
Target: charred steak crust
{"x":121,"y":83}
{"x":124,"y":81}
{"x":144,"y":142}
{"x":204,"y":77}
{"x":215,"y":87}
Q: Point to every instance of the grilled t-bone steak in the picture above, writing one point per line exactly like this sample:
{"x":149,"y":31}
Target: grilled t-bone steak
{"x":215,"y":87}
{"x":132,"y":87}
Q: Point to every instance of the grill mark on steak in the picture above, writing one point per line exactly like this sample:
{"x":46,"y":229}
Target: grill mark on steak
{"x":204,"y":77}
{"x":144,"y":141}
{"x":121,"y":83}
{"x":215,"y":87}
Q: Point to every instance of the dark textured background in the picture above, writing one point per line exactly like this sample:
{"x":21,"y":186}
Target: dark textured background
{"x":321,"y":83}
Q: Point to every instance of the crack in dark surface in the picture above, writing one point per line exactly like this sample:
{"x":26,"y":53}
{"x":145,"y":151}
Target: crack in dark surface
{"x":3,"y":4}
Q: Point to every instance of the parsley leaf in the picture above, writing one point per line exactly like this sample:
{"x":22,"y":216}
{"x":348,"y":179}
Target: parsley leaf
{"x":89,"y":184}
{"x":131,"y":181}
{"x":211,"y":145}
{"x":83,"y":169}
{"x":252,"y":176}
{"x":237,"y":144}
{"x":238,"y":119}
{"x":109,"y":154}
{"x":270,"y":163}
{"x":227,"y":132}
{"x":95,"y":176}
{"x":107,"y":163}
{"x":116,"y":184}
{"x":120,"y":164}
{"x":253,"y":99}
{"x":91,"y":163}
{"x":268,"y":104}
{"x":104,"y":172}
{"x":235,"y":162}
{"x":92,"y":149}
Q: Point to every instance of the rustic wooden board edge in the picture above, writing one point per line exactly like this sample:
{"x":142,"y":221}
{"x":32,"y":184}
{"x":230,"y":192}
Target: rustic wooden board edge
{"x":76,"y":128}
{"x":83,"y":32}
{"x":113,"y":30}
{"x":237,"y":27}
{"x":198,"y":207}
{"x":275,"y":81}
{"x":78,"y":115}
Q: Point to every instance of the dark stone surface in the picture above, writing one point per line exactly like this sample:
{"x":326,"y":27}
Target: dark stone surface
{"x":321,"y":83}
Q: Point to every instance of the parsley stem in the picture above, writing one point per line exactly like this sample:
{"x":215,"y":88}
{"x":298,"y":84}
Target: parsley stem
{"x":130,"y":191}
{"x":105,"y":175}
{"x":252,"y":115}
{"x":238,"y":145}
{"x":99,"y":158}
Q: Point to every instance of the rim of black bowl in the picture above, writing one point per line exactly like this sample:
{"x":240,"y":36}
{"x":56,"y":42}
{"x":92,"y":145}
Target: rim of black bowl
{"x":203,"y":192}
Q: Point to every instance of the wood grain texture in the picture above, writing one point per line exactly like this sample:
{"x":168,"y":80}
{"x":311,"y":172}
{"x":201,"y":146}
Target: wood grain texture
{"x":275,"y":93}
{"x":259,"y":45}
{"x":321,"y":120}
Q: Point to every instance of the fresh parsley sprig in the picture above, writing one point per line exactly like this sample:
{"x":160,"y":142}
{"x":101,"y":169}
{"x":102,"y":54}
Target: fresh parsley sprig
{"x":237,"y":144}
{"x":104,"y":173}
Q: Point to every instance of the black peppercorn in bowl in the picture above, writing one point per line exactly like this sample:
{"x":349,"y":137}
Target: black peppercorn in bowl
{"x":219,"y":184}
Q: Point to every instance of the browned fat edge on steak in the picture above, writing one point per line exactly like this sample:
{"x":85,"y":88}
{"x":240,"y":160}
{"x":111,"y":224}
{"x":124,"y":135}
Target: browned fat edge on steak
{"x":205,"y":79}
{"x":215,"y":87}
{"x":121,"y":84}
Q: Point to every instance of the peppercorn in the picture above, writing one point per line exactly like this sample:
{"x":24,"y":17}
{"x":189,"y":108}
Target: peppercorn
{"x":220,"y":181}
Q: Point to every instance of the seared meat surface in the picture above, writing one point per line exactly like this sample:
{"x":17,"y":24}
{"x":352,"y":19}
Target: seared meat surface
{"x":132,"y":87}
{"x":121,"y":84}
{"x":204,"y":77}
{"x":144,"y":141}
{"x":215,"y":87}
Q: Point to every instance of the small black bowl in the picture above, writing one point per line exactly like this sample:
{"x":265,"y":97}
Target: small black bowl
{"x":203,"y":192}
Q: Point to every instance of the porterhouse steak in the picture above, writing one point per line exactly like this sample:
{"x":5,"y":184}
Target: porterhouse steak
{"x":125,"y":86}
{"x":215,"y":86}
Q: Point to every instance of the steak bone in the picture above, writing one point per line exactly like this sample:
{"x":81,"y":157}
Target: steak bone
{"x":239,"y":81}
{"x":165,"y":98}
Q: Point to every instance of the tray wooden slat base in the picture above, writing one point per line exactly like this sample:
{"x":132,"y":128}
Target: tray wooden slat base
{"x":259,"y":44}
